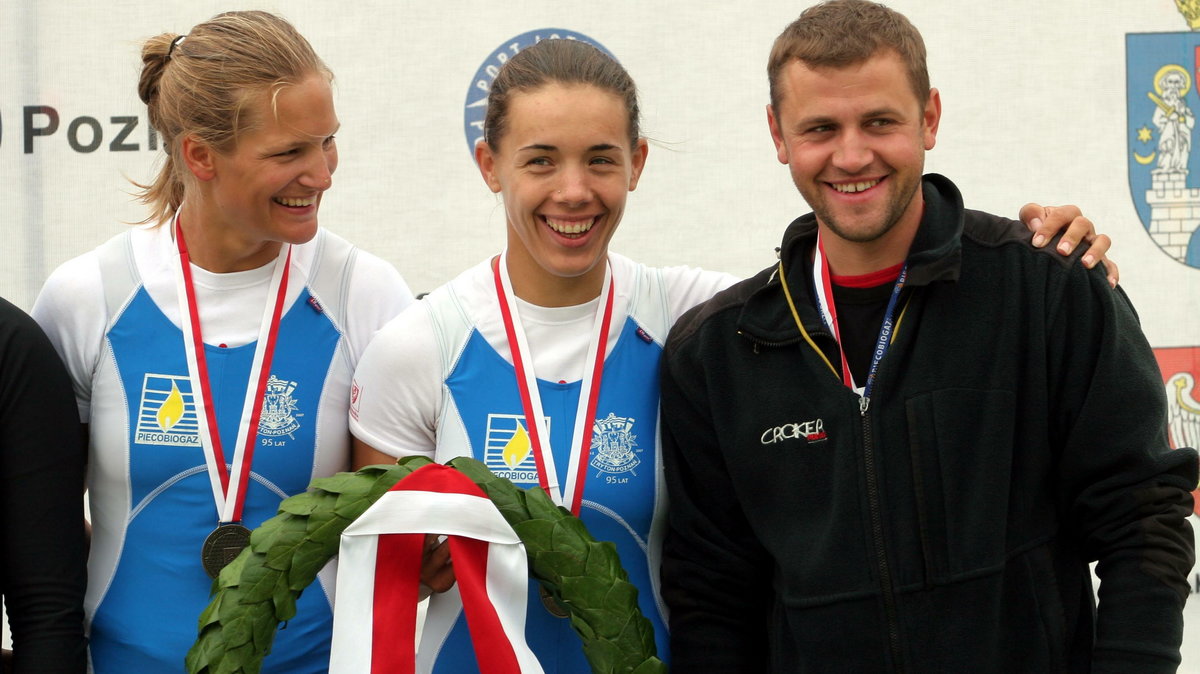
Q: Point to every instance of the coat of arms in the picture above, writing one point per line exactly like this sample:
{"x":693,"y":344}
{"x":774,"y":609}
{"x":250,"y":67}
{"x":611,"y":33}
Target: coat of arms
{"x":278,"y":409}
{"x":1180,"y":367}
{"x":614,"y":446}
{"x":1161,"y":71}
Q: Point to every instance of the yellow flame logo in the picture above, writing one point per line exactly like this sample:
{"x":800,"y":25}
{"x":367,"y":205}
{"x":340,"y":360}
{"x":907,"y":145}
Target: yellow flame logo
{"x":172,"y":409}
{"x":517,"y":449}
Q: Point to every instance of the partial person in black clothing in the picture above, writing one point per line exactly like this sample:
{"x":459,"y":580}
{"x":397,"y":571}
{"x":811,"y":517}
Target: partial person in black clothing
{"x":43,"y":558}
{"x":900,"y":447}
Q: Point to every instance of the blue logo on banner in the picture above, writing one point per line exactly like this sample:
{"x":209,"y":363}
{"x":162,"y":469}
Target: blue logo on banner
{"x":475,"y":107}
{"x":1162,"y":102}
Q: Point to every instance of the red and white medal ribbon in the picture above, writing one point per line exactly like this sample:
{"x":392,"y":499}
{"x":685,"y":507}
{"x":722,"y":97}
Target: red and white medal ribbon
{"x":825,"y":303}
{"x":228,"y":485}
{"x":824,"y":285}
{"x":374,"y":623}
{"x":531,"y":400}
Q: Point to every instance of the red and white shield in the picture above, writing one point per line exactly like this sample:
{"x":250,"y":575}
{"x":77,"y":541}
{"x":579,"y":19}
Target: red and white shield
{"x":1179,"y":368}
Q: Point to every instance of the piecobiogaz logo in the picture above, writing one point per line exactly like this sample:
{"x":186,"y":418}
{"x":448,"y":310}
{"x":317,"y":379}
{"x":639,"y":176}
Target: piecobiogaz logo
{"x":167,"y":413}
{"x":508,"y":451}
{"x":40,"y":127}
{"x":475,"y":108}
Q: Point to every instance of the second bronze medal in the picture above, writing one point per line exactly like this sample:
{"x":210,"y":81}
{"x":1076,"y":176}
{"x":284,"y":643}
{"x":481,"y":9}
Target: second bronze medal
{"x":221,"y":546}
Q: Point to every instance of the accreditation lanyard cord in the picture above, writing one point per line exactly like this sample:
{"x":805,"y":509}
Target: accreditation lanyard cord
{"x":828,"y":309}
{"x":228,"y":486}
{"x":531,"y":399}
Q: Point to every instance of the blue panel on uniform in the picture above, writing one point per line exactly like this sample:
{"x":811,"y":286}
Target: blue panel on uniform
{"x":171,"y":493}
{"x":620,"y":492}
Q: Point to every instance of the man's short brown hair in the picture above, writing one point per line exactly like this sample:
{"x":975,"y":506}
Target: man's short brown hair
{"x":840,"y":33}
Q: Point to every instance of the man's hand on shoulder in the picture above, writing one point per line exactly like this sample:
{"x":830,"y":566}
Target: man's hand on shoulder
{"x":1047,"y":221}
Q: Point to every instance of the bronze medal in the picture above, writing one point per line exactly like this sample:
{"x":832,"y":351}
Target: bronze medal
{"x":552,"y":605}
{"x":221,"y":547}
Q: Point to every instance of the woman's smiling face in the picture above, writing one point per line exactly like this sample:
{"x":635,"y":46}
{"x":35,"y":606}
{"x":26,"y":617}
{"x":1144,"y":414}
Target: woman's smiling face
{"x":564,"y":166}
{"x":268,"y":188}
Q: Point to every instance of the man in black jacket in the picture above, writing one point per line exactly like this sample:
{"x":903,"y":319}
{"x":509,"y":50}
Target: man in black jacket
{"x":43,"y":550}
{"x":900,"y":448}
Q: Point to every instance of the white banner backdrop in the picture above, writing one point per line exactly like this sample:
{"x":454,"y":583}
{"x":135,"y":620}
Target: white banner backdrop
{"x":1035,"y":102}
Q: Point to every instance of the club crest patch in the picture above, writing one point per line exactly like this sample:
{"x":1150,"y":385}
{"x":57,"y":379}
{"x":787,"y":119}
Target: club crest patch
{"x":614,"y":446}
{"x":1161,"y":99}
{"x":279,"y":409}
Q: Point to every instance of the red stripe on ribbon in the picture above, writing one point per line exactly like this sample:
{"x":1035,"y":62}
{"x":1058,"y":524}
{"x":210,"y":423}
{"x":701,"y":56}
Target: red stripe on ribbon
{"x":397,"y":576}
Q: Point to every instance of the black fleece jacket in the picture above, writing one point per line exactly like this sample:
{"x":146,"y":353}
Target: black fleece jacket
{"x":1016,"y":432}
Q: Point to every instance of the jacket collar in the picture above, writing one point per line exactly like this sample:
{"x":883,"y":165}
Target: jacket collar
{"x":935,"y":255}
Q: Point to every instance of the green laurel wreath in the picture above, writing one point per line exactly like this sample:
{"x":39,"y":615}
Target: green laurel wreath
{"x":258,"y":590}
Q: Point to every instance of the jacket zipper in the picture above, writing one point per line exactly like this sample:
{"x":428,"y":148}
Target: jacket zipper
{"x":873,"y":504}
{"x":885,"y":574}
{"x":891,"y":613}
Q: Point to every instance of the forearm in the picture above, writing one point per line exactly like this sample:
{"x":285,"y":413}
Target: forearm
{"x":45,"y":560}
{"x":1143,"y":571}
{"x":716,"y":576}
{"x":718,"y":623}
{"x":1129,"y":493}
{"x":41,"y":501}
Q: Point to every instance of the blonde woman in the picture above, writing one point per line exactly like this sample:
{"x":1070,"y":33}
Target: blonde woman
{"x":211,"y":351}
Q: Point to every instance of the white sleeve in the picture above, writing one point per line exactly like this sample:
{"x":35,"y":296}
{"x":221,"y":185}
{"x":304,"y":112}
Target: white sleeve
{"x":71,"y":310}
{"x":397,"y":388}
{"x":377,"y":294}
{"x":689,"y":286}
